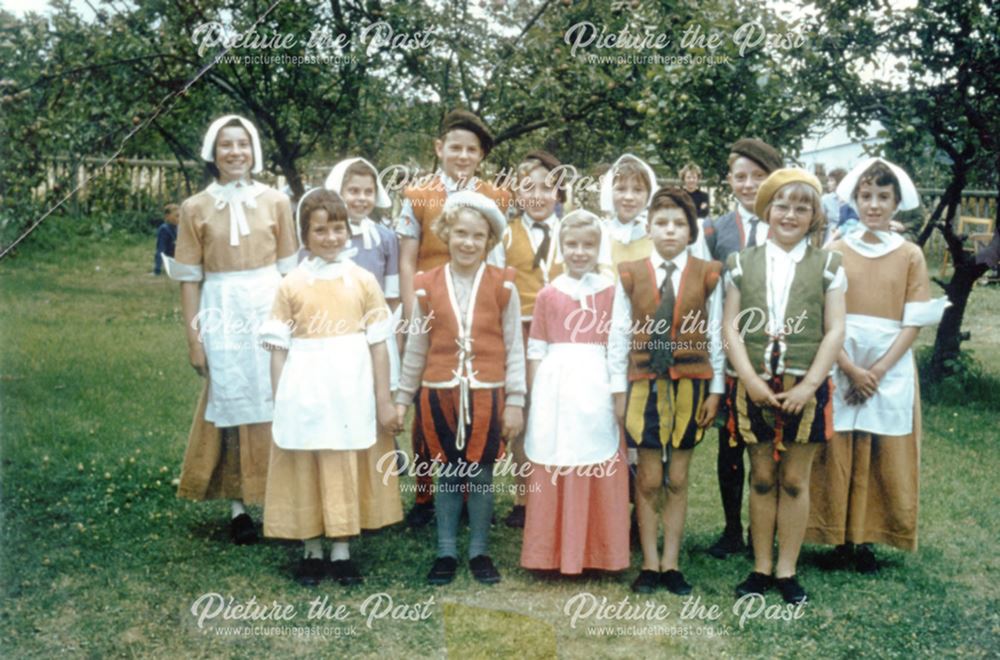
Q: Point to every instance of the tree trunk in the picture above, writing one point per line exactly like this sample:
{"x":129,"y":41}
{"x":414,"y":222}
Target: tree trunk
{"x":949,"y":332}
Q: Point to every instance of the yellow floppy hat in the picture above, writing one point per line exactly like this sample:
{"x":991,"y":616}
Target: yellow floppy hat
{"x":777,"y":179}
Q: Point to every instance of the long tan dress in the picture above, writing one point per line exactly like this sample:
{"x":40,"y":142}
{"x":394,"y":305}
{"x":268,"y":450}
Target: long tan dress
{"x":229,"y":462}
{"x":865,"y":486}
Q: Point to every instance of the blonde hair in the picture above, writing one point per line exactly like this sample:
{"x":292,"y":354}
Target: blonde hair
{"x":579,"y":219}
{"x":443,"y":223}
{"x":690,"y":167}
{"x":799,"y":191}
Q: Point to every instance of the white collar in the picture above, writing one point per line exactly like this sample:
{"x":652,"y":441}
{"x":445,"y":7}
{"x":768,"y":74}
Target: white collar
{"x":626,"y":232}
{"x":236,"y":195}
{"x":317,"y":268}
{"x":451,"y":186}
{"x":745,"y":214}
{"x":680,"y":261}
{"x":775,"y":251}
{"x":580,"y":289}
{"x":888,"y":241}
{"x":529,"y":222}
{"x":367,"y":229}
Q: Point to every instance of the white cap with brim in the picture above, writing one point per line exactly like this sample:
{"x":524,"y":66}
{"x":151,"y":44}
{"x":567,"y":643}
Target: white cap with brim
{"x":481,"y":203}
{"x":208,"y":143}
{"x":909,"y":198}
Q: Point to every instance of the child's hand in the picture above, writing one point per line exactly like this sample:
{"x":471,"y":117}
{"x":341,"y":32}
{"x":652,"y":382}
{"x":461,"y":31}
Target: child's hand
{"x":760,"y":393}
{"x":513,"y":422}
{"x":400,"y":417}
{"x":387,"y":417}
{"x":709,"y":408}
{"x":196,"y":356}
{"x":897,"y":226}
{"x":620,"y":408}
{"x":864,"y":381}
{"x":795,"y":399}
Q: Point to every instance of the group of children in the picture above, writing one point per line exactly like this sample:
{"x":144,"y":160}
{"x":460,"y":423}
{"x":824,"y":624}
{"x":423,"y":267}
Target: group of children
{"x":595,"y":351}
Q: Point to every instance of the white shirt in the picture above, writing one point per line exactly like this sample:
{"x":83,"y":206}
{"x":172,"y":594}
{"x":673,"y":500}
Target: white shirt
{"x":760,"y":230}
{"x":620,"y":336}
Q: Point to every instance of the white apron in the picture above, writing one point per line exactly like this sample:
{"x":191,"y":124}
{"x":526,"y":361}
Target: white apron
{"x":233,"y":305}
{"x":890,"y":410}
{"x":326,"y":395}
{"x":572,"y":420}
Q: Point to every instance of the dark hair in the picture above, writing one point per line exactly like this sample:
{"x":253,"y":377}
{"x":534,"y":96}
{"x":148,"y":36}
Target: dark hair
{"x":211,"y":166}
{"x":879,"y":174}
{"x":319,"y":199}
{"x":358,"y":168}
{"x":837,"y":174}
{"x":672,"y":197}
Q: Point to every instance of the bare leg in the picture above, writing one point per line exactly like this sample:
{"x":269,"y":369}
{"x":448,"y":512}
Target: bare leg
{"x":649,"y":481}
{"x":675,"y":509}
{"x":793,"y":505}
{"x":763,"y":505}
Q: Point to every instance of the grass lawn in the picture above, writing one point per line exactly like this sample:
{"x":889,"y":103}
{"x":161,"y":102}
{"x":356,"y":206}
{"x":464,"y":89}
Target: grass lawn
{"x":99,"y":558}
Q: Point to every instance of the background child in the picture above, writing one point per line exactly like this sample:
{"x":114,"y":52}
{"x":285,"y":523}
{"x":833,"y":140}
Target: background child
{"x":235,"y":239}
{"x":469,"y":367}
{"x":531,"y":247}
{"x":166,"y":236}
{"x":783,"y":393}
{"x":577,"y":515}
{"x":330,"y":373}
{"x":750,"y":162}
{"x":865,"y":481}
{"x":690,"y":176}
{"x":376,"y":249}
{"x":463,"y":142}
{"x":674,"y":375}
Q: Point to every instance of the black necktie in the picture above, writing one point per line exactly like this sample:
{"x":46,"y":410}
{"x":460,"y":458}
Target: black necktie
{"x":543,"y":247}
{"x":752,"y":238}
{"x":661,"y":355}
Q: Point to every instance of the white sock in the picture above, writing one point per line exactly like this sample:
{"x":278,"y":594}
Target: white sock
{"x":313,"y":549}
{"x":238,"y":508}
{"x":341,"y":550}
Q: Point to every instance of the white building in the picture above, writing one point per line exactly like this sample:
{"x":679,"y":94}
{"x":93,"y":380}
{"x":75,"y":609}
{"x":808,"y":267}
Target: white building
{"x":830,"y":146}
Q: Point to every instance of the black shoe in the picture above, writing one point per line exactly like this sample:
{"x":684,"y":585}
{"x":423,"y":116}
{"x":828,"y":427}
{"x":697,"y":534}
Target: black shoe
{"x":728,"y":544}
{"x":420,"y":515}
{"x":864,"y":560}
{"x":791,"y":590}
{"x":674,"y":582}
{"x":516,"y":517}
{"x":841,"y":557}
{"x":443,"y":571}
{"x":345,"y":572}
{"x":242,"y":530}
{"x":310,"y":572}
{"x":646,"y":582}
{"x":756,"y":583}
{"x":483,"y":569}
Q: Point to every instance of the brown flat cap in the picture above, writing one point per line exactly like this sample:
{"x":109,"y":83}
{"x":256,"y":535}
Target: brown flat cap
{"x":759,"y":152}
{"x":468,"y":121}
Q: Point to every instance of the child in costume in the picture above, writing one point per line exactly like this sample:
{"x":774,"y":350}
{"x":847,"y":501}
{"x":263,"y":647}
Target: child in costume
{"x":462,"y":143}
{"x":783,"y":328}
{"x":330,"y":372}
{"x":577,"y":513}
{"x":531,"y":247}
{"x":234,"y":241}
{"x":469,"y":368}
{"x":750,"y":162}
{"x":666,"y":363}
{"x":376,"y":249}
{"x":865,"y":481}
{"x":626,"y":189}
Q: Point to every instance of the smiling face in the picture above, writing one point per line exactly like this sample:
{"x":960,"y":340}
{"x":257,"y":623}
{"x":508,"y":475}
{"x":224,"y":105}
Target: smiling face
{"x":580,"y":247}
{"x":745,"y":177}
{"x":536,"y":195}
{"x":690,"y":181}
{"x":629,"y":194}
{"x":233,"y":153}
{"x":669,"y":231}
{"x":467,"y":240}
{"x":358,"y":191}
{"x":876,"y":204}
{"x":326,"y":238}
{"x":789,"y":215}
{"x":460,"y":153}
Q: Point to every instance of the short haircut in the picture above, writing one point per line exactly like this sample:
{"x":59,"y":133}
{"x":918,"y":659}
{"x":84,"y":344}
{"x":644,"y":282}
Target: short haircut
{"x":442,"y":226}
{"x":579,"y":219}
{"x":879,"y":174}
{"x":171,"y":208}
{"x":320,"y":199}
{"x":690,"y":168}
{"x":672,"y":197}
{"x":837,"y":174}
{"x":212,"y":168}
{"x":630,"y":168}
{"x":799,"y":191}
{"x":530,"y":164}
